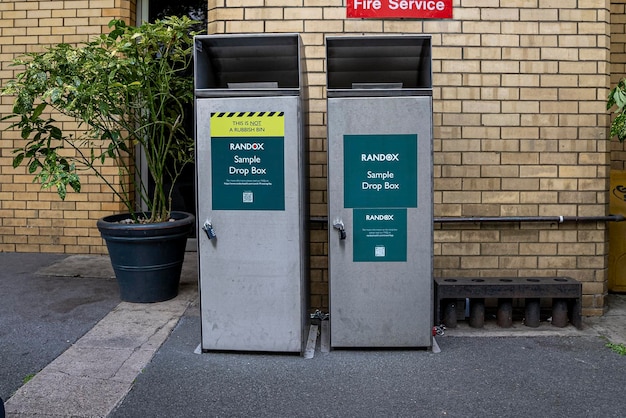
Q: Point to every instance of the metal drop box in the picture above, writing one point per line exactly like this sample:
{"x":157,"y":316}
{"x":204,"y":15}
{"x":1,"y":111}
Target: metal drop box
{"x":252,"y":201}
{"x":380,"y":175}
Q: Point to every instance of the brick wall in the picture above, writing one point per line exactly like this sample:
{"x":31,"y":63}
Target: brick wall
{"x":520,"y":128}
{"x":519,"y":117}
{"x":31,"y":219}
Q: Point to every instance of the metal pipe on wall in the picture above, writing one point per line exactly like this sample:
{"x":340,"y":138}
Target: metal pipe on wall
{"x":470,"y":219}
{"x":558,"y":219}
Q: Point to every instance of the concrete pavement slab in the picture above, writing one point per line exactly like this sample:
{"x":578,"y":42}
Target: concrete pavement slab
{"x":79,"y":265}
{"x":57,"y":394}
{"x":612,"y":325}
{"x":97,"y":266}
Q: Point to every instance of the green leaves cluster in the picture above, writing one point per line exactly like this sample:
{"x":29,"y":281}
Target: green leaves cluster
{"x":618,"y":348}
{"x":617,"y":97}
{"x":126,"y":89}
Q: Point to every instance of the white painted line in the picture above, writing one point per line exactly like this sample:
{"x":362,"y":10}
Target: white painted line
{"x":309,"y":351}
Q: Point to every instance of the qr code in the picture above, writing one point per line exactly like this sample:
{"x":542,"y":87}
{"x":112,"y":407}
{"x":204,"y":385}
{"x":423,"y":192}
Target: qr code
{"x":248,"y":197}
{"x":379,"y":251}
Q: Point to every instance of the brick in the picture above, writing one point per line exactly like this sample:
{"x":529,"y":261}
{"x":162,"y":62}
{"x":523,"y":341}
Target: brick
{"x":528,"y":158}
{"x":460,"y":249}
{"x":499,"y":171}
{"x":579,"y":171}
{"x":557,"y":157}
{"x":251,"y":13}
{"x":500,"y":145}
{"x":323,"y":26}
{"x":536,"y":197}
{"x":481,"y":158}
{"x":518,"y":210}
{"x":501,"y":120}
{"x":500,"y":197}
{"x":541,"y":249}
{"x":538,"y":171}
{"x":541,"y":14}
{"x":442,"y":184}
{"x":461,"y":197}
{"x":480,"y":184}
{"x":306,"y":13}
{"x":506,"y":67}
{"x":576,"y":249}
{"x":517,"y":262}
{"x":558,"y":184}
{"x":554,"y":210}
{"x":556,"y":262}
{"x":481,"y":209}
{"x":520,"y":133}
{"x":593,"y":184}
{"x":472,"y":263}
{"x":500,"y":14}
{"x":577,"y":197}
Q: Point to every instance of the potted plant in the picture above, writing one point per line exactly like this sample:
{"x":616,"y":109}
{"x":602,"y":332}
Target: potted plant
{"x":127,"y":91}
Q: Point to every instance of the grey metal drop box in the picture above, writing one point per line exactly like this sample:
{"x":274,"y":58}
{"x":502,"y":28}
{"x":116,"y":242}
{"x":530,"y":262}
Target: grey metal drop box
{"x":250,"y":164}
{"x":380,"y":191}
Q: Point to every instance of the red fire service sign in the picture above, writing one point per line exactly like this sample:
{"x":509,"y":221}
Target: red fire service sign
{"x":410,"y":9}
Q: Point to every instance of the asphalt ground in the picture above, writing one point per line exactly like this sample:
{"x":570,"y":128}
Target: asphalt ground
{"x":50,"y":325}
{"x":547,"y":376}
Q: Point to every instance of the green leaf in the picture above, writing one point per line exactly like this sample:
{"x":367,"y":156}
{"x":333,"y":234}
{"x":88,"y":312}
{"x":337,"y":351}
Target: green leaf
{"x":64,"y":165}
{"x":55,"y":94}
{"x":111,"y":150}
{"x":123,"y":147}
{"x":33,"y":166}
{"x":39,"y":110}
{"x":61,"y":190}
{"x":56,"y":133}
{"x":618,"y":348}
{"x":74,"y":182}
{"x":17,"y":160}
{"x":26,"y":131}
{"x":620,"y":98}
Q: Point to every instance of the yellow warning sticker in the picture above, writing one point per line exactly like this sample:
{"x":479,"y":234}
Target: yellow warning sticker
{"x":248,"y":124}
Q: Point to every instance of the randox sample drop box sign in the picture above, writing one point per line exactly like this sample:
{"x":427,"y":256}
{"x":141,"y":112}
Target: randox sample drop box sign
{"x":252,"y":207}
{"x":380,"y":191}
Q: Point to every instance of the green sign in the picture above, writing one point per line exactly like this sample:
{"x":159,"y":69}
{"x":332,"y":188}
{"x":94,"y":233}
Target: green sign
{"x":248,"y":173}
{"x":380,"y":171}
{"x":380,"y":235}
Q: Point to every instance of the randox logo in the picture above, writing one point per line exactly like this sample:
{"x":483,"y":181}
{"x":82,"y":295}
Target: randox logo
{"x":246,"y":146}
{"x":380,"y":157}
{"x":379,"y":217}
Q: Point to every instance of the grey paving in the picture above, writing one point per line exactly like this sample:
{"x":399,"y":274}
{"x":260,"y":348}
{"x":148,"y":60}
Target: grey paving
{"x":97,"y":357}
{"x":548,"y":376}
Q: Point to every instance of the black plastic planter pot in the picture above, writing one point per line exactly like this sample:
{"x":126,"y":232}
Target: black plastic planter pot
{"x":147,"y":258}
